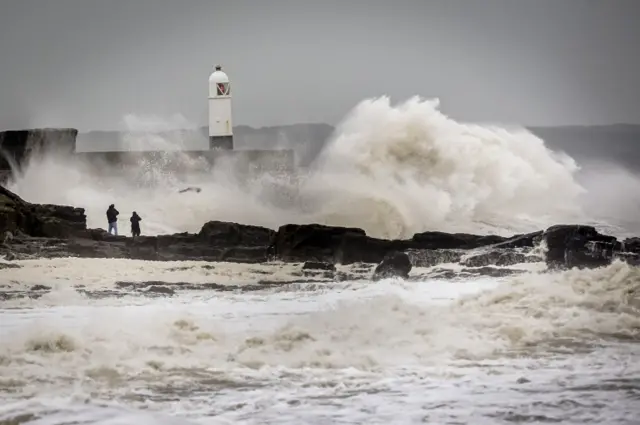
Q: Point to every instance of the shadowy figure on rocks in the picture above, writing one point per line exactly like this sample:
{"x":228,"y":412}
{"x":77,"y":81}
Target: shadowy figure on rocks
{"x":135,"y":224}
{"x":112,"y":219}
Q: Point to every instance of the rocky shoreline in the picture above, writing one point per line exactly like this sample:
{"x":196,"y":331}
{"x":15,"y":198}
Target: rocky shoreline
{"x":33,"y":231}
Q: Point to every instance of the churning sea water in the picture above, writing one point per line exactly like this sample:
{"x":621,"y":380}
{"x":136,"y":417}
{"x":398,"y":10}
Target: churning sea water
{"x":538,"y":348}
{"x":534,"y":348}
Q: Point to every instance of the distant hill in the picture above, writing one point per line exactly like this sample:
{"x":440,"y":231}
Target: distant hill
{"x":619,"y":143}
{"x":615,"y":143}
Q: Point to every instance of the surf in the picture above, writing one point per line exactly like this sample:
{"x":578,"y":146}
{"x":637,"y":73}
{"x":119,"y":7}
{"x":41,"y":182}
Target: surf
{"x":393,"y":170}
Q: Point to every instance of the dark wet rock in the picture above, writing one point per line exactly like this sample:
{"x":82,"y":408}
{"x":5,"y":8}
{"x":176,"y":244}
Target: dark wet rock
{"x":103,"y":235}
{"x":359,"y":248}
{"x":9,"y":266}
{"x":441,"y":240}
{"x":345,"y":276}
{"x":499,"y":257}
{"x":219,"y":233}
{"x":427,"y":248}
{"x":318,"y":269}
{"x":631,"y":245}
{"x":319,"y":274}
{"x":362,"y":267}
{"x":146,"y":286}
{"x":528,"y":240}
{"x":50,"y":231}
{"x":396,"y":264}
{"x":316,"y":274}
{"x":245,"y":254}
{"x":25,"y":248}
{"x":102,"y":293}
{"x":190,"y":189}
{"x":57,"y":231}
{"x":160,"y":290}
{"x":465,"y":273}
{"x":7,"y":238}
{"x":317,"y":265}
{"x":217,"y":241}
{"x":40,"y":288}
{"x":438,"y":273}
{"x":16,"y":295}
{"x":579,"y":246}
{"x":266,"y":283}
{"x":489,"y":271}
{"x":312,"y":242}
{"x":630,"y":258}
{"x":39,"y":220}
{"x":8,"y":255}
{"x":433,"y":257}
{"x":88,"y":248}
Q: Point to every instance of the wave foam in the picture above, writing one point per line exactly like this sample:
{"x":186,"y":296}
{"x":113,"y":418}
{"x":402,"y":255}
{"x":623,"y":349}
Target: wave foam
{"x":392,"y":170}
{"x":422,"y":170}
{"x":533,"y":313}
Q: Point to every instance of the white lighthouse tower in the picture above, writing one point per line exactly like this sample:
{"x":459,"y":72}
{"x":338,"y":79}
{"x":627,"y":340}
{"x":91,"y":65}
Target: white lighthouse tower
{"x":220,"y":124}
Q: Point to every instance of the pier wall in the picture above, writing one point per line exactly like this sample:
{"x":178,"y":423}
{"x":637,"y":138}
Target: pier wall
{"x":17,"y":147}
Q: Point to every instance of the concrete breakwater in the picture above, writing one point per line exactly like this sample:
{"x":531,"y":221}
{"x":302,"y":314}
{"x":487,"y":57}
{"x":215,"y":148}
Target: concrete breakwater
{"x":113,"y":150}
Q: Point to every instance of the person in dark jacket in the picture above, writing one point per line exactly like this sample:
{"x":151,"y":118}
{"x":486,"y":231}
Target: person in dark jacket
{"x":112,"y":219}
{"x":135,"y":224}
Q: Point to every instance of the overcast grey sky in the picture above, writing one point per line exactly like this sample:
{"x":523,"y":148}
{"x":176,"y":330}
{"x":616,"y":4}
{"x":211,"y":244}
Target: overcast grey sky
{"x":87,"y":63}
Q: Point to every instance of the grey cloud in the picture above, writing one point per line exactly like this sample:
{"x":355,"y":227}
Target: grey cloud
{"x":88,"y":63}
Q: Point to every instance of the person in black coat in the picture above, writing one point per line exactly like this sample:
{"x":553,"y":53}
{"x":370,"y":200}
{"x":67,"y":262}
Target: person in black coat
{"x":135,"y":224}
{"x":112,"y":219}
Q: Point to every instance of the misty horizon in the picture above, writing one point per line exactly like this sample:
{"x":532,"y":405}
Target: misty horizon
{"x":203,"y":127}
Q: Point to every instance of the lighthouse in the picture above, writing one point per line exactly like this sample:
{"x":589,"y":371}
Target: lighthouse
{"x":220,"y":124}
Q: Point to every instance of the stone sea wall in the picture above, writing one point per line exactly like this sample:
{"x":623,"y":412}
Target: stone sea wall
{"x":18,"y":146}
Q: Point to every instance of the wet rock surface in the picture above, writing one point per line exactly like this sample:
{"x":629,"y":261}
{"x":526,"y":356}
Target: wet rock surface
{"x":52,"y":231}
{"x":18,"y":217}
{"x":396,"y":264}
{"x":578,"y":246}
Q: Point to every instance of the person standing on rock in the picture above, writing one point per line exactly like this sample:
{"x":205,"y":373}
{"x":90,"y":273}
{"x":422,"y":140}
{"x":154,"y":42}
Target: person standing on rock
{"x":112,"y":219}
{"x":135,"y":224}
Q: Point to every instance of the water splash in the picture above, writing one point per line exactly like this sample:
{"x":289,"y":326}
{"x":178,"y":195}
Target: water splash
{"x":393,"y":170}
